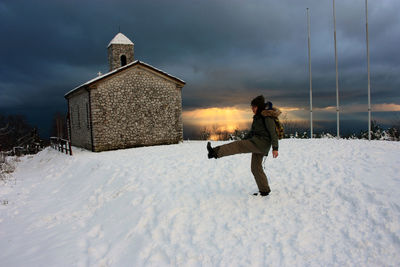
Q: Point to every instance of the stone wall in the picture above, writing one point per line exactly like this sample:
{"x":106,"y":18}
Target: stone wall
{"x":80,"y":120}
{"x":136,"y":107}
{"x":115,"y":51}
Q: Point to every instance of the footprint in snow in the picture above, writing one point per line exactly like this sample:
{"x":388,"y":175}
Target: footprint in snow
{"x":96,"y":232}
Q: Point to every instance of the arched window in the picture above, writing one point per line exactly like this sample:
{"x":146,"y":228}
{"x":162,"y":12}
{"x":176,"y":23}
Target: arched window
{"x":123,"y":60}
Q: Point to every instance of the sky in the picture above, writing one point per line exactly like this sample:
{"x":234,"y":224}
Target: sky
{"x":227,"y":52}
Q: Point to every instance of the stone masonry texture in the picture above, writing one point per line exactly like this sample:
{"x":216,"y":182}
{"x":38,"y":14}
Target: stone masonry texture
{"x":135,"y":107}
{"x":80,"y":120}
{"x":115,"y":51}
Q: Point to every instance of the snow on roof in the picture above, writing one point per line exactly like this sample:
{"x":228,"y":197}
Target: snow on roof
{"x":121,"y":68}
{"x":120,"y":39}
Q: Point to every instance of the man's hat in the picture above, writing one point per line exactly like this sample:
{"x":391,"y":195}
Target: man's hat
{"x":259,"y":102}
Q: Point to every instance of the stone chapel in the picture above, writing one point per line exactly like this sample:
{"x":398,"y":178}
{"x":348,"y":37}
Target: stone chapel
{"x":134,"y":104}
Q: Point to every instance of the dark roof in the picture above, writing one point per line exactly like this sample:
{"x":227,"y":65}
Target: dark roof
{"x":108,"y":74}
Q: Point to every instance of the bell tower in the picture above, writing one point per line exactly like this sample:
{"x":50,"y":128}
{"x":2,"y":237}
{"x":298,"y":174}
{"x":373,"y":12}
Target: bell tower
{"x":120,"y":52}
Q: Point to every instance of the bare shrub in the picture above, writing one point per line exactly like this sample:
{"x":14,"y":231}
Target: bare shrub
{"x":7,"y":166}
{"x":216,"y":133}
{"x":292,"y":128}
{"x":205,"y":133}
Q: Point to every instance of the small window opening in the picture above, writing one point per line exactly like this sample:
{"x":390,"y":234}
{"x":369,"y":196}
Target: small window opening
{"x":123,"y":60}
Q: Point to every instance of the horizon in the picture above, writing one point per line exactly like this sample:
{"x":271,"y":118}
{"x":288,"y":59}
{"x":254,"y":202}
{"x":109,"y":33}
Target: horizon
{"x":192,"y":127}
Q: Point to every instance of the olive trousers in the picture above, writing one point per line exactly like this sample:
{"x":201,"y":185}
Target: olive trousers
{"x":246,"y":146}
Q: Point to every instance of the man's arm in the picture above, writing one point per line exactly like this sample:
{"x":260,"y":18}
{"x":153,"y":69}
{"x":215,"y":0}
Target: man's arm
{"x":270,"y":123}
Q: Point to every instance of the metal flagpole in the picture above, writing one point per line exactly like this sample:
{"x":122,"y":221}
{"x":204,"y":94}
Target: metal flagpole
{"x":309,"y":71}
{"x":337,"y":78}
{"x":369,"y":82}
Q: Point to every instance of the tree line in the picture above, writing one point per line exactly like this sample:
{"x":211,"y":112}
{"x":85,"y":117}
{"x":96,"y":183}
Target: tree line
{"x":17,"y":134}
{"x":300,"y":129}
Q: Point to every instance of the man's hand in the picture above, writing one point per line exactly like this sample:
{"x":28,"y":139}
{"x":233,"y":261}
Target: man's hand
{"x":274,"y":153}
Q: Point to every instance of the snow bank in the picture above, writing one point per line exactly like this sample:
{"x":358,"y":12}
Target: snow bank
{"x":333,"y":203}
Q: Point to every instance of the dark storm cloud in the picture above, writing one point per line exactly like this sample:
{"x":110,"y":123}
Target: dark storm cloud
{"x":226,"y":51}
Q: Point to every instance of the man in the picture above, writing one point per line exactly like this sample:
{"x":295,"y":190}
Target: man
{"x":258,"y":142}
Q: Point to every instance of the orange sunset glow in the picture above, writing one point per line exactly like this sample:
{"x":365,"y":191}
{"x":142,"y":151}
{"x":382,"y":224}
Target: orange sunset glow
{"x":224,"y":119}
{"x":227,"y":119}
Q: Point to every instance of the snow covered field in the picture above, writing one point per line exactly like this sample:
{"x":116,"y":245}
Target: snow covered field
{"x":333,"y":203}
